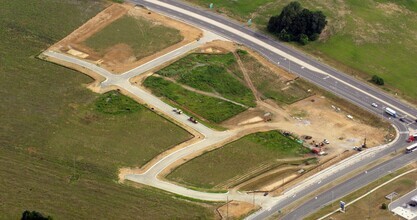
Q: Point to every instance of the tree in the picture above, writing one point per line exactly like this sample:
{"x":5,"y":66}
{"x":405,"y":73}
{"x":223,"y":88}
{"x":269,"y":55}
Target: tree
{"x":34,"y":215}
{"x":384,"y":206}
{"x":377,"y":80}
{"x":297,"y":24}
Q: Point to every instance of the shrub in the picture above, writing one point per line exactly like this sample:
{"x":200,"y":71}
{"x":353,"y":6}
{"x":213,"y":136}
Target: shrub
{"x":384,"y":206}
{"x":34,"y":215}
{"x":377,"y":80}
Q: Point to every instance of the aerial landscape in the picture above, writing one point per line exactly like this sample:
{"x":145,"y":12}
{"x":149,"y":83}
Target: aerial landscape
{"x":208,"y":109}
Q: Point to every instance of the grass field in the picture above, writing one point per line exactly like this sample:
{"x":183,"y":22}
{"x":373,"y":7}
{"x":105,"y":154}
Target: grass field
{"x":144,"y":37}
{"x":212,"y":109}
{"x":58,"y":154}
{"x":237,"y":158}
{"x":364,"y":37}
{"x":370,"y":205}
{"x":211,"y":73}
{"x":270,"y":84}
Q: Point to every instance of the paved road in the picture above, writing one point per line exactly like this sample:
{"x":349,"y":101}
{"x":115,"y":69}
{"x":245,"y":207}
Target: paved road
{"x":320,"y":74}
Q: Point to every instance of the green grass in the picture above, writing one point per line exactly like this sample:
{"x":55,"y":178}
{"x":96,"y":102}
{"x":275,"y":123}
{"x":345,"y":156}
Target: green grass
{"x":365,"y":39}
{"x":211,"y":73}
{"x":144,"y":37}
{"x":49,"y":122}
{"x":212,"y":109}
{"x":29,"y":182}
{"x":115,"y":103}
{"x":242,"y":8}
{"x":270,"y":84}
{"x":236,"y":158}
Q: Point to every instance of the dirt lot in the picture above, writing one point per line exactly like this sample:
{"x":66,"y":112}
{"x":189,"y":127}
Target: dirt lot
{"x":118,"y":58}
{"x":236,"y":210}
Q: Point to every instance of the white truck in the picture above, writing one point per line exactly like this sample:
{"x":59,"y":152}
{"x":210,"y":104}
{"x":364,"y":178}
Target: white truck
{"x":391,"y":112}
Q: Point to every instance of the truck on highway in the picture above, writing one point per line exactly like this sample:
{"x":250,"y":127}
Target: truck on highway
{"x":391,"y":112}
{"x":411,"y":148}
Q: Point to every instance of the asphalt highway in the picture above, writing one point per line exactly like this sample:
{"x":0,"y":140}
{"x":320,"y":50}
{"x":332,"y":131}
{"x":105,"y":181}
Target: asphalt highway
{"x":320,"y":74}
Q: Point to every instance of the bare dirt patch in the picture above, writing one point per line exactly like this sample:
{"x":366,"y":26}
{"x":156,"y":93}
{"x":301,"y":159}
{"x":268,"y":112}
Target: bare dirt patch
{"x":120,"y":57}
{"x":392,"y":8}
{"x":235,"y":210}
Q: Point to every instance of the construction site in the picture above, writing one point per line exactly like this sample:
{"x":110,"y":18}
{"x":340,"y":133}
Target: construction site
{"x":252,"y":96}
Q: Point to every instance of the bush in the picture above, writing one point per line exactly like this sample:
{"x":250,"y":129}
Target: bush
{"x":34,"y":215}
{"x":377,"y":80}
{"x":303,"y":39}
{"x":384,"y":206}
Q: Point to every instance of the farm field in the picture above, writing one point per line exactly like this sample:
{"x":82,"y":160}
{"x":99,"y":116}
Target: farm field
{"x":210,"y":108}
{"x":217,"y":73}
{"x":60,"y":149}
{"x":143,"y":37}
{"x":371,"y":204}
{"x":238,"y":158}
{"x":363,"y":37}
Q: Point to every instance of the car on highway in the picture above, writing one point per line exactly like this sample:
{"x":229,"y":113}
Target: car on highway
{"x":374,"y":105}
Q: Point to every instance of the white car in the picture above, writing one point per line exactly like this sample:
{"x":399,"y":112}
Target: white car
{"x":374,"y":105}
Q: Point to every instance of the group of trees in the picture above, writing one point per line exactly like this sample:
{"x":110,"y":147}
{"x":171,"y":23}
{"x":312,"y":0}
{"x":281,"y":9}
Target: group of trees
{"x":297,"y":24}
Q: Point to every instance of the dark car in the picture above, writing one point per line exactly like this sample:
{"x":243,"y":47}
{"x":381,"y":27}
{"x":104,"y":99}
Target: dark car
{"x":412,"y":204}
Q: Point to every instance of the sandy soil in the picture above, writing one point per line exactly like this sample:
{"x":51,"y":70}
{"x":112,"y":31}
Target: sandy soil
{"x":119,"y":58}
{"x":235,"y":209}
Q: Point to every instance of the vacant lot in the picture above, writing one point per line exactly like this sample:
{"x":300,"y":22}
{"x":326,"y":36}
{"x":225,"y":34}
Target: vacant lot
{"x":363,"y":37}
{"x":369,"y":206}
{"x":238,"y":158}
{"x":141,"y":36}
{"x":270,"y":84}
{"x":214,"y":73}
{"x":212,"y":109}
{"x":58,"y":153}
